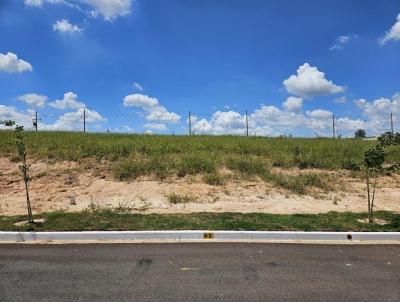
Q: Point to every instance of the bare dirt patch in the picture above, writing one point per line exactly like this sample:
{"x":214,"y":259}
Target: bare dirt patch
{"x":71,"y":186}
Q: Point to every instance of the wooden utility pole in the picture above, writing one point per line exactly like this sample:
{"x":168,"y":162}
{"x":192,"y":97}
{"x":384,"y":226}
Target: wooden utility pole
{"x":190,"y":123}
{"x":333,"y":126}
{"x":84,"y":120}
{"x":35,"y":121}
{"x":391,"y":122}
{"x":247,"y":124}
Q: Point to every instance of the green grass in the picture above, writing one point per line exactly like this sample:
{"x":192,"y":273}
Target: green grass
{"x":195,"y":154}
{"x":214,"y":179}
{"x":299,"y":183}
{"x":131,"y":156}
{"x":115,"y":220}
{"x":175,"y":198}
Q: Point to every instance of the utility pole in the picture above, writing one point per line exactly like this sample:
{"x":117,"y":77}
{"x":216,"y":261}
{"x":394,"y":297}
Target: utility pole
{"x":190,"y":123}
{"x":84,"y":120}
{"x":391,"y":122}
{"x":247,"y":124}
{"x":35,"y":121}
{"x":333,"y":126}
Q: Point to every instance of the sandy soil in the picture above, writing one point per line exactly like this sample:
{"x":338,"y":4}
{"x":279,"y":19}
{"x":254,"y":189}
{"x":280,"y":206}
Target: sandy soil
{"x":54,"y":186}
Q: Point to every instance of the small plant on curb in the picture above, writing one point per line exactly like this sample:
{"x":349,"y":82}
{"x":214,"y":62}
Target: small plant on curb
{"x":24,"y":168}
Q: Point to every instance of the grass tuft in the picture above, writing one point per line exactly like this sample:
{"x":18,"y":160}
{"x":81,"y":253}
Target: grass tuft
{"x":175,"y":198}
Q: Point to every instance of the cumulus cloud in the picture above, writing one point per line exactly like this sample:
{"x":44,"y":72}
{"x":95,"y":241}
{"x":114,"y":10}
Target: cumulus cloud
{"x":155,"y":126}
{"x":64,"y":26}
{"x":10,"y":63}
{"x":377,"y":112}
{"x":33,"y":100}
{"x":153,"y":110}
{"x":221,"y":122}
{"x":110,"y":9}
{"x":12,"y":113}
{"x":293,"y":104}
{"x":70,"y":101}
{"x":70,"y":121}
{"x":74,"y":120}
{"x":273,"y":121}
{"x":309,"y":81}
{"x":37,"y":3}
{"x":393,"y":34}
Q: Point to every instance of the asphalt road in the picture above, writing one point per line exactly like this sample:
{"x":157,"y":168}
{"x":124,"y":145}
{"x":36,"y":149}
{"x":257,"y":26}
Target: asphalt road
{"x":199,"y":272}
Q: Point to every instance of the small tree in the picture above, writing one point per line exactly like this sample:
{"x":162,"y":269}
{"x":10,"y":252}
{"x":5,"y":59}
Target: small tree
{"x":374,"y":160}
{"x":360,"y":133}
{"x":24,"y":168}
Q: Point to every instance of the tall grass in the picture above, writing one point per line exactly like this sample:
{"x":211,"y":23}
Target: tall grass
{"x":135,"y":155}
{"x":309,"y":152}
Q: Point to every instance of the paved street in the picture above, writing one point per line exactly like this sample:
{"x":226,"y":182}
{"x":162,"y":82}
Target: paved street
{"x":199,"y":272}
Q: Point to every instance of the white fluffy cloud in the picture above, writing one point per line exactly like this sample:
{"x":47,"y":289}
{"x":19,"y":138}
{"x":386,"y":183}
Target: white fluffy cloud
{"x":68,"y":121}
{"x":110,"y":9}
{"x":378,"y":112}
{"x":155,"y":126}
{"x":273,"y":121}
{"x":74,"y":120}
{"x":70,"y":101}
{"x":309,"y":81}
{"x":64,"y":26}
{"x":11,"y":113}
{"x":154,"y":111}
{"x":221,"y":122}
{"x":393,"y":34}
{"x":293,"y":104}
{"x":33,"y":100}
{"x":37,"y":3}
{"x":9,"y":62}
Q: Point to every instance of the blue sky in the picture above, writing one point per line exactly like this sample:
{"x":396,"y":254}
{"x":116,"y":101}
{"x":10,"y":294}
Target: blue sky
{"x":141,"y":65}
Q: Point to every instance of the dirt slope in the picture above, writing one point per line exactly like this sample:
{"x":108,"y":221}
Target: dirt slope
{"x":55,"y":185}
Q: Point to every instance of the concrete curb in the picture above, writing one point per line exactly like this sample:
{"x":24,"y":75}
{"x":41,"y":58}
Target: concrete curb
{"x":200,"y":236}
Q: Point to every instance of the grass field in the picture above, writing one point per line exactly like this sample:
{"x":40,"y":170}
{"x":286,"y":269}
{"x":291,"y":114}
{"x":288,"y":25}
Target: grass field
{"x":130,"y":156}
{"x":141,"y":154}
{"x":114,"y":220}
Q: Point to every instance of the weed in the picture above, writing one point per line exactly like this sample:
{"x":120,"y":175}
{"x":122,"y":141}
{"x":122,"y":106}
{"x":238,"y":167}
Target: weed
{"x":214,"y":179}
{"x":175,"y":198}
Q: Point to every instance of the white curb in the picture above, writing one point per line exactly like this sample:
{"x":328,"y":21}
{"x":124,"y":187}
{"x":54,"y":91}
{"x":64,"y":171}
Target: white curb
{"x":202,"y":236}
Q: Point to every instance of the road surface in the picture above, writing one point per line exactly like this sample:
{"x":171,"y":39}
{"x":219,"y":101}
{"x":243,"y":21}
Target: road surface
{"x":199,"y":272}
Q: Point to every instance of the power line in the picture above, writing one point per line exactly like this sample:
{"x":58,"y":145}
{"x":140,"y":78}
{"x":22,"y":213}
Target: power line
{"x":333,"y":126}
